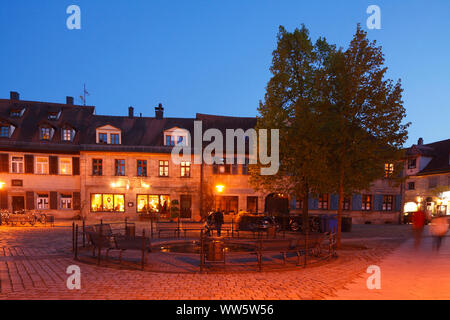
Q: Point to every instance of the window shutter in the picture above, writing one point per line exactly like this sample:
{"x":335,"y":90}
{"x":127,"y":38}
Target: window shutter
{"x":53,"y":165}
{"x":292,"y":203}
{"x":357,"y":202}
{"x":76,"y":166}
{"x":398,"y":202}
{"x":4,"y":162}
{"x":4,"y":199}
{"x":334,"y":201}
{"x":313,"y":203}
{"x":29,"y":163}
{"x":378,"y":202}
{"x":53,"y":200}
{"x":76,"y":201}
{"x":30,"y":200}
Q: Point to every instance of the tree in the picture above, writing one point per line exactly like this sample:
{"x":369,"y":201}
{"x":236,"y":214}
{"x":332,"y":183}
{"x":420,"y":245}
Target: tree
{"x":290,"y":106}
{"x":363,"y":113}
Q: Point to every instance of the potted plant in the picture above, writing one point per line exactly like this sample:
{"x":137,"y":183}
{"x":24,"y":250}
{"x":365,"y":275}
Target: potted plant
{"x":174,"y":211}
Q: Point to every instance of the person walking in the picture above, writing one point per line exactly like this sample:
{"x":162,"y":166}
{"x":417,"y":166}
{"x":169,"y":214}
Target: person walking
{"x":218,"y":221}
{"x":418,"y":223}
{"x":438,"y":229}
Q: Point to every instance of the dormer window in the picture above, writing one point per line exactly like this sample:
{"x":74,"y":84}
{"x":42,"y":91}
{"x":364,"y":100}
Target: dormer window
{"x":108,"y":135}
{"x":175,"y":137}
{"x":54,"y":115}
{"x":4,"y":131}
{"x":412,"y":163}
{"x":46,"y":133}
{"x":68,"y":134}
{"x":17,"y":112}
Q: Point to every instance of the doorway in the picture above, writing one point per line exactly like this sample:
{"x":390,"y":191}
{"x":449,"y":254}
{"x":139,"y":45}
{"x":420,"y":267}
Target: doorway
{"x":18,"y":203}
{"x":185,"y":207}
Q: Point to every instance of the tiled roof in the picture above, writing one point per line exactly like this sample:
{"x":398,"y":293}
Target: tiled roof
{"x":440,"y":153}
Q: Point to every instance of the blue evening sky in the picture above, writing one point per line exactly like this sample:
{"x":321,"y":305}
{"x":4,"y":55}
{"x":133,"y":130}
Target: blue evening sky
{"x":210,"y":56}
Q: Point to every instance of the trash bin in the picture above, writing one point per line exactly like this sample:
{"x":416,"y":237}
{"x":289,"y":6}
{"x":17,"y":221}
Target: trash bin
{"x":130,"y":231}
{"x":271,"y":232}
{"x":332,"y":223}
{"x":346,"y":224}
{"x":215,"y":251}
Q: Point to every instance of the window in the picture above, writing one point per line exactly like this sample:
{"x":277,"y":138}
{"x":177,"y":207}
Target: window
{"x":366,"y":202}
{"x":388,"y":202}
{"x":41,"y":165}
{"x":65,"y":166}
{"x":17,"y":164}
{"x":142,"y":168}
{"x":67,"y":134}
{"x":298,"y":204}
{"x":153,"y":203}
{"x":119,"y":167}
{"x":107,"y":202}
{"x":4,"y":131}
{"x":97,"y":167}
{"x":221,"y":167}
{"x":115,"y":138}
{"x":170,"y":140}
{"x":66,"y":201}
{"x":17,"y":113}
{"x":53,"y":115}
{"x":411,"y":185}
{"x":252,"y":204}
{"x":163,"y":168}
{"x":181,"y":141}
{"x":46,"y":133}
{"x":42,"y":201}
{"x":185,"y":169}
{"x":411,"y":163}
{"x":103,"y":138}
{"x":388,"y":170}
{"x":323,"y":201}
{"x":346,"y":203}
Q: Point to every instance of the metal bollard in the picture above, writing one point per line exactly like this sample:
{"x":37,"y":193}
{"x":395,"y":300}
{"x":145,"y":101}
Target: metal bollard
{"x":76,"y":242}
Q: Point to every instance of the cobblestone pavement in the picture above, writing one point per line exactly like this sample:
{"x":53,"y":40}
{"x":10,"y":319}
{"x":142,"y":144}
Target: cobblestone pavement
{"x":407,"y":274}
{"x":33,"y":263}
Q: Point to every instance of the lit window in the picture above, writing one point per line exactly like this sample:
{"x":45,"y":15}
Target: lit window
{"x":46,"y":133}
{"x":66,"y":201}
{"x":41,"y":165}
{"x":107,"y":203}
{"x":366,"y":202}
{"x":388,"y":202}
{"x":388,"y":170}
{"x":67,"y":134}
{"x":42,"y":201}
{"x":163,"y":168}
{"x":323,"y":201}
{"x":185,"y":169}
{"x":181,"y":141}
{"x":65,"y":166}
{"x":17,"y":164}
{"x":346,"y":203}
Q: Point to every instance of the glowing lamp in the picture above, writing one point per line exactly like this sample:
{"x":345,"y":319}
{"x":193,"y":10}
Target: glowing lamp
{"x":220,"y":188}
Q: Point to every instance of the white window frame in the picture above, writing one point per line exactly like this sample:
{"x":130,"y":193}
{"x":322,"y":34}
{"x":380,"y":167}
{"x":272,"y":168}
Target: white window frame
{"x":64,"y":201}
{"x":40,"y":165}
{"x":65,"y":165}
{"x":70,"y":132}
{"x":43,"y":202}
{"x":20,"y":163}
{"x":175,"y":134}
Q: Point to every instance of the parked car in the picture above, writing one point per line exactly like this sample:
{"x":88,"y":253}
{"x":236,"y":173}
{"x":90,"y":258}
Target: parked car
{"x":296,"y":223}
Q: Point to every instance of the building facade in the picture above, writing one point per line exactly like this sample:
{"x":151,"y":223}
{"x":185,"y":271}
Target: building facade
{"x":427,"y":184}
{"x":66,"y":160}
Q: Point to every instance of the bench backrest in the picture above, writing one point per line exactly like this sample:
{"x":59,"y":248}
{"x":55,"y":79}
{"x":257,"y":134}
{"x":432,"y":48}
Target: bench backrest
{"x":132,"y":243}
{"x":273,"y":245}
{"x":97,"y":241}
{"x":105,"y":228}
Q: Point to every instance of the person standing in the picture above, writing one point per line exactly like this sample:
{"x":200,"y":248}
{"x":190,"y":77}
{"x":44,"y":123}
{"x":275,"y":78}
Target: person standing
{"x":218,"y":221}
{"x":418,"y":223}
{"x":438,"y":229}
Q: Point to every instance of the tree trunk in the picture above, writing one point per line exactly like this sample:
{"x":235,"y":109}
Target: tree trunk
{"x":305,"y":209}
{"x":340,"y":208}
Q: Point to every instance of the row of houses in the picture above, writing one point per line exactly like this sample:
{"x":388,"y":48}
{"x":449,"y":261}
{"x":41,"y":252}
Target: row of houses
{"x":66,"y":160}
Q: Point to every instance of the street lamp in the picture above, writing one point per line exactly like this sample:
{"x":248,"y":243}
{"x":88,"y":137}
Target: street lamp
{"x":220,"y":188}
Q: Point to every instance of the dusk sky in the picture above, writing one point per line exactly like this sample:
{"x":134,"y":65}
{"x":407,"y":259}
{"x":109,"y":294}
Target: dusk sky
{"x":211,"y":56}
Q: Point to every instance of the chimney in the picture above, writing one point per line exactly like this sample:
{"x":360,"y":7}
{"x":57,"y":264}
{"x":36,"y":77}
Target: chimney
{"x":420,"y":141}
{"x":131,"y":112}
{"x":69,"y":101}
{"x":159,"y":112}
{"x":14,"y":95}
